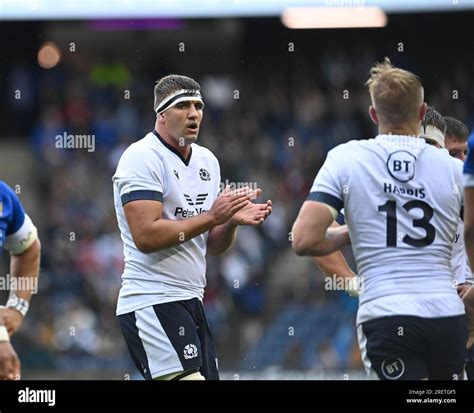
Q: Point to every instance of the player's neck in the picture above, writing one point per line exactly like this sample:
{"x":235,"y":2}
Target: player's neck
{"x":182,"y":149}
{"x":399,"y":130}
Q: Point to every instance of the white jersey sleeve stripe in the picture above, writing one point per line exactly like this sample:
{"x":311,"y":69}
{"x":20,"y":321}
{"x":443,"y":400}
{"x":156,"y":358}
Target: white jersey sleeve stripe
{"x":22,"y":239}
{"x":468,"y":181}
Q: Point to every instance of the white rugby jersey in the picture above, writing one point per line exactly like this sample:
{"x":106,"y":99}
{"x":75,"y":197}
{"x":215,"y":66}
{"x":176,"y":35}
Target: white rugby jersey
{"x":152,"y":169}
{"x":459,"y":260}
{"x":402,"y":200}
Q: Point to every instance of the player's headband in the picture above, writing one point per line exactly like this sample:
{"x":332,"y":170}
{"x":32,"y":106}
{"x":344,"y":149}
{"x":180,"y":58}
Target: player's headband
{"x":177,"y":97}
{"x":432,"y":134}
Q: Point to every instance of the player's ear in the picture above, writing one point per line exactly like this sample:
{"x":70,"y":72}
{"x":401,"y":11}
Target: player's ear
{"x":373,"y":115}
{"x":423,"y":109}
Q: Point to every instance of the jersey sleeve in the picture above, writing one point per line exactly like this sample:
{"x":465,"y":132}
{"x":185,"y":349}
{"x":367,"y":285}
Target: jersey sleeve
{"x":468,"y":181}
{"x":327,"y":187}
{"x":20,"y":232}
{"x":138,"y":176}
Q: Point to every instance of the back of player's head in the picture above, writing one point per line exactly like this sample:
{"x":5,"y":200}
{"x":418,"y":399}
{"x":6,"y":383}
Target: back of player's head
{"x":434,"y":118}
{"x":396,"y":94}
{"x":171,"y":84}
{"x":433,"y":127}
{"x":456,"y":130}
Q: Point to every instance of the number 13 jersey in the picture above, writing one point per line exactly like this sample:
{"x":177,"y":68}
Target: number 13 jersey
{"x":402,"y":200}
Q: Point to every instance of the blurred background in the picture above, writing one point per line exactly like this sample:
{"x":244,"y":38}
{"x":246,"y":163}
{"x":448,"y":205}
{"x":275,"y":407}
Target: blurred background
{"x":277,"y":99}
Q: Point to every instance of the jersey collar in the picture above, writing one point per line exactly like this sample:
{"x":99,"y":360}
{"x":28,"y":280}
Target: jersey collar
{"x":402,"y":140}
{"x":174,"y":150}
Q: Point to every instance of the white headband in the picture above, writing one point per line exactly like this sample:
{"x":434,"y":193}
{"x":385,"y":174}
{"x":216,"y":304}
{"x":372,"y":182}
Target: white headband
{"x":177,"y":97}
{"x":433,"y":134}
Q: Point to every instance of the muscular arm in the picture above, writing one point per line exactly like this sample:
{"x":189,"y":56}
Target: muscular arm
{"x":27,"y":265}
{"x":151,"y":232}
{"x":25,"y":268}
{"x":221,"y":238}
{"x":335,"y":263}
{"x":312,"y":234}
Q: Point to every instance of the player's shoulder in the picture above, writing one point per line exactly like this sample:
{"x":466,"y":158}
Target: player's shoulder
{"x":138,"y":149}
{"x":202,"y":152}
{"x":350,"y":146}
{"x":469,"y":164}
{"x":5,"y":190}
{"x":444,"y":158}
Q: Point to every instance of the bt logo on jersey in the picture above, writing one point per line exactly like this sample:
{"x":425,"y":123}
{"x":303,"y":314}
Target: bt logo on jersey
{"x":401,"y":165}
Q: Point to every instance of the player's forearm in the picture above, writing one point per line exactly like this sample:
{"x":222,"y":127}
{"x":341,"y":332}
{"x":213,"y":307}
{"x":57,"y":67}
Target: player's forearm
{"x":335,"y":239}
{"x":221,"y":238}
{"x":334,"y":264}
{"x":26,"y":266}
{"x":312,"y":244}
{"x":165,"y":233}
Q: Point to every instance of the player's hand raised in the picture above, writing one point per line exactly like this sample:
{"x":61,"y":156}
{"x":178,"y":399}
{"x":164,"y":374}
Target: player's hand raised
{"x":253,"y":214}
{"x":229,"y":202}
{"x":11,"y":318}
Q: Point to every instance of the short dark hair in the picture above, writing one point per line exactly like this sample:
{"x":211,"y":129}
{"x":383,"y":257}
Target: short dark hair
{"x":434,"y":118}
{"x":172,"y":83}
{"x":456,"y":129}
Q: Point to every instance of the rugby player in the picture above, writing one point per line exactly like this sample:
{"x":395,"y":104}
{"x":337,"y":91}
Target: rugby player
{"x":18,"y":236}
{"x":401,"y":213}
{"x":170,"y":213}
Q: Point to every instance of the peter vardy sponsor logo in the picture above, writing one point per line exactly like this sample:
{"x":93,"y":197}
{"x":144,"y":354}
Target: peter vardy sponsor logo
{"x":37,"y":396}
{"x":186,"y":213}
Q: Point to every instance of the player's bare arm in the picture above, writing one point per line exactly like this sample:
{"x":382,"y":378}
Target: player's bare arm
{"x":334,"y":263}
{"x":312,"y":234}
{"x":25,"y":265}
{"x":222,"y":236}
{"x":151,"y":232}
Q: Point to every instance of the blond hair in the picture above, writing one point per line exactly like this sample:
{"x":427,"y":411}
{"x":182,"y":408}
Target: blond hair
{"x":396,"y":93}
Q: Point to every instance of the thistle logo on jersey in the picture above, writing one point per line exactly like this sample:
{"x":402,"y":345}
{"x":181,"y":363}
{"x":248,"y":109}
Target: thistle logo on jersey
{"x":401,"y":166}
{"x":190,"y":351}
{"x":204,"y":175}
{"x":199,"y":199}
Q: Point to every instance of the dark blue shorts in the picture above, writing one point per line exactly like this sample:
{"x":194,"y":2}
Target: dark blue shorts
{"x":414,"y":348}
{"x":169,"y":338}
